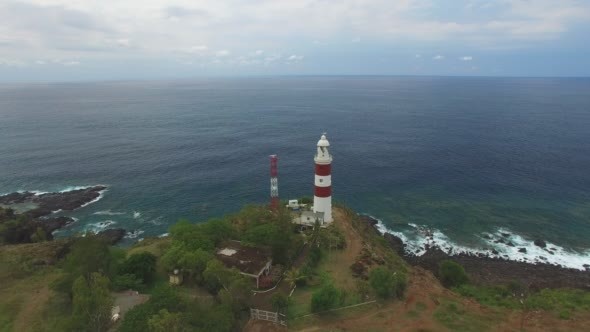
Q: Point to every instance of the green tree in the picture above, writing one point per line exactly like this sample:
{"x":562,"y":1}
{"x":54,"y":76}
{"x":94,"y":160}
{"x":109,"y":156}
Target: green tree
{"x":126,"y":281}
{"x":279,"y":302}
{"x":191,"y":236}
{"x":163,"y":297}
{"x":141,"y":265}
{"x":217,"y":276}
{"x":452,"y":274}
{"x":92,"y":303}
{"x":164,"y":321}
{"x":88,"y":255}
{"x":295,"y":277}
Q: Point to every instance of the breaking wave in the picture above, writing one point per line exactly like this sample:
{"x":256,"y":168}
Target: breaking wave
{"x":502,"y":243}
{"x":99,"y":226}
{"x":108,"y":213}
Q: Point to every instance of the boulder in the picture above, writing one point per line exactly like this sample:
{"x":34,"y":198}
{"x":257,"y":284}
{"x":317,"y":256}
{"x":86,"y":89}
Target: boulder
{"x":540,"y":243}
{"x":112,"y":235}
{"x":523,"y":250}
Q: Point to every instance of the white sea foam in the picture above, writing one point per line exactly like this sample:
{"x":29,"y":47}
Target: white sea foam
{"x":164,"y":235}
{"x":134,"y":234}
{"x":421,"y":237}
{"x":99,"y":226}
{"x":136,"y":214}
{"x":72,"y":188}
{"x":157,"y":221}
{"x":98,"y":198}
{"x":108,"y":213}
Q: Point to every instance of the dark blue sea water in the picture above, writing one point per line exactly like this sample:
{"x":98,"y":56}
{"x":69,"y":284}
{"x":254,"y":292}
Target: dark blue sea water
{"x":462,"y":156}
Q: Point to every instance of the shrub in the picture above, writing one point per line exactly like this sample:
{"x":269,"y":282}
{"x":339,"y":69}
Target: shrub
{"x":326,"y":298}
{"x":279,"y":302}
{"x":387,"y":283}
{"x":452,"y":274}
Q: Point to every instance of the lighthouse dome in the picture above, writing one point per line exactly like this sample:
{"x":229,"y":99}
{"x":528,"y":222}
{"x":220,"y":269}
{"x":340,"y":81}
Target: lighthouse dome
{"x":323,"y":141}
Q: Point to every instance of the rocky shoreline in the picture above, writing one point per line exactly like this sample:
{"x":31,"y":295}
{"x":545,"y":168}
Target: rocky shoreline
{"x":485,"y":269}
{"x":39,"y":208}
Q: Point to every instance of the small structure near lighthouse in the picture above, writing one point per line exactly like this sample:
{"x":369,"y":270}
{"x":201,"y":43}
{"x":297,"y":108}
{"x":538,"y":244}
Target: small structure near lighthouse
{"x":322,"y":199}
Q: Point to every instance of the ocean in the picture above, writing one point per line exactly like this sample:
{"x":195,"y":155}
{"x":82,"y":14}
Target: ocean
{"x":471,"y":160}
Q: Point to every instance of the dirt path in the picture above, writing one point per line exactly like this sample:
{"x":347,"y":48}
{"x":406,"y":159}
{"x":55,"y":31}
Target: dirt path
{"x":354,"y":242}
{"x":337,"y":262}
{"x":32,"y":307}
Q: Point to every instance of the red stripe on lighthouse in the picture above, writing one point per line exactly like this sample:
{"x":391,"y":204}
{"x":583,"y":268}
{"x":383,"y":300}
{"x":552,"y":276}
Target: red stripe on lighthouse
{"x":323,"y":191}
{"x":323,"y":170}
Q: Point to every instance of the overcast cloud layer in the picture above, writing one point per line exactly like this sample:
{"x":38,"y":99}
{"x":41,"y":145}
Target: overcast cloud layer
{"x":131,"y":39}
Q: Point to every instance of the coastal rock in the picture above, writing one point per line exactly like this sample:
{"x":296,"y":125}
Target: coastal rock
{"x":540,"y":243}
{"x":510,"y":244}
{"x":505,"y":234}
{"x":495,"y":252}
{"x":47,"y":203}
{"x":523,"y":250}
{"x":50,"y":225}
{"x":112,"y":235}
{"x":368,"y":219}
{"x":395,"y":243}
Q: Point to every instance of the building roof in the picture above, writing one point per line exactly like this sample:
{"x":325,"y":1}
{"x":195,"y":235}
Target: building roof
{"x":250,"y":260}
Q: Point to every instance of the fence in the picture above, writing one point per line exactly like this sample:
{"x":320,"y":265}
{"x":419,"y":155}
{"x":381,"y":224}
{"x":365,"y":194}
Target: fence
{"x":270,"y":316}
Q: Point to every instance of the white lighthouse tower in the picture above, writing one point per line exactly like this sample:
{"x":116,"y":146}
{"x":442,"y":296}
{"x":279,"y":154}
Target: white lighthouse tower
{"x":322,"y":199}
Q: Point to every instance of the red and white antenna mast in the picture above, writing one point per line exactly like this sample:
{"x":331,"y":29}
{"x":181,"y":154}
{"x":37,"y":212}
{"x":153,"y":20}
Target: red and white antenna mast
{"x":274,"y":182}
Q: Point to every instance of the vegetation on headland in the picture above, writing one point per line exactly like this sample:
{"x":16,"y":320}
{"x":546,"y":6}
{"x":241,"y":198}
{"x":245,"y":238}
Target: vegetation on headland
{"x":345,"y":264}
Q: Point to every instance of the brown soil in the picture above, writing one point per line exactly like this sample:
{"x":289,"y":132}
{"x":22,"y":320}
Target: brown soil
{"x":33,"y":306}
{"x":417,"y":313}
{"x":263,"y":326}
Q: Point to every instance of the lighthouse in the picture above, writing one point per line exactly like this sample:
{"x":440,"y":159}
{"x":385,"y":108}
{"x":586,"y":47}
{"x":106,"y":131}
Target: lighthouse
{"x":322,"y":199}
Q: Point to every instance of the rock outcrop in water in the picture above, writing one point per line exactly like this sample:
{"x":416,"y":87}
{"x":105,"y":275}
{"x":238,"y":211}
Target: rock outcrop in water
{"x":112,"y":235}
{"x":47,"y":203}
{"x":35,"y":224}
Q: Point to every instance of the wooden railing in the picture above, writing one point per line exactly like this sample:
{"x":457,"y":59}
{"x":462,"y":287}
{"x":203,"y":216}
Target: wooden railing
{"x":270,"y":316}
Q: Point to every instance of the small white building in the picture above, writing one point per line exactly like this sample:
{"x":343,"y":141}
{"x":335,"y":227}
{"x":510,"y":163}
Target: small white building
{"x":308,"y":218}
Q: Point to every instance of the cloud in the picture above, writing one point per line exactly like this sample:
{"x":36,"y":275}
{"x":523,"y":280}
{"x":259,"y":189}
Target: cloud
{"x":71,"y":63}
{"x":123,"y":42}
{"x":197,"y":49}
{"x":466,"y":58}
{"x":182,"y":12}
{"x":103,"y":32}
{"x":438,"y":57}
{"x":12,"y":63}
{"x":295,"y":57}
{"x":222,"y":53}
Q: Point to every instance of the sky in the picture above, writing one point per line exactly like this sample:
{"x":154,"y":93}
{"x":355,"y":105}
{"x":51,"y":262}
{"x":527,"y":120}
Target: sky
{"x":64,"y":40}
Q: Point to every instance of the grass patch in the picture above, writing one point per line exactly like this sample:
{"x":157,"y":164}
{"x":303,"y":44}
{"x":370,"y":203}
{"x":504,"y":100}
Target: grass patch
{"x":453,"y":316}
{"x":563,"y":302}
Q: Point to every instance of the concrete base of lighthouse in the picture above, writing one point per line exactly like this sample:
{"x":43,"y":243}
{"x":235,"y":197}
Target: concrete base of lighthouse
{"x":323,"y":204}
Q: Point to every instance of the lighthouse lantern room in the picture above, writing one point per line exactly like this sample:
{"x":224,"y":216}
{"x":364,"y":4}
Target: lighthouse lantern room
{"x":322,"y":200}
